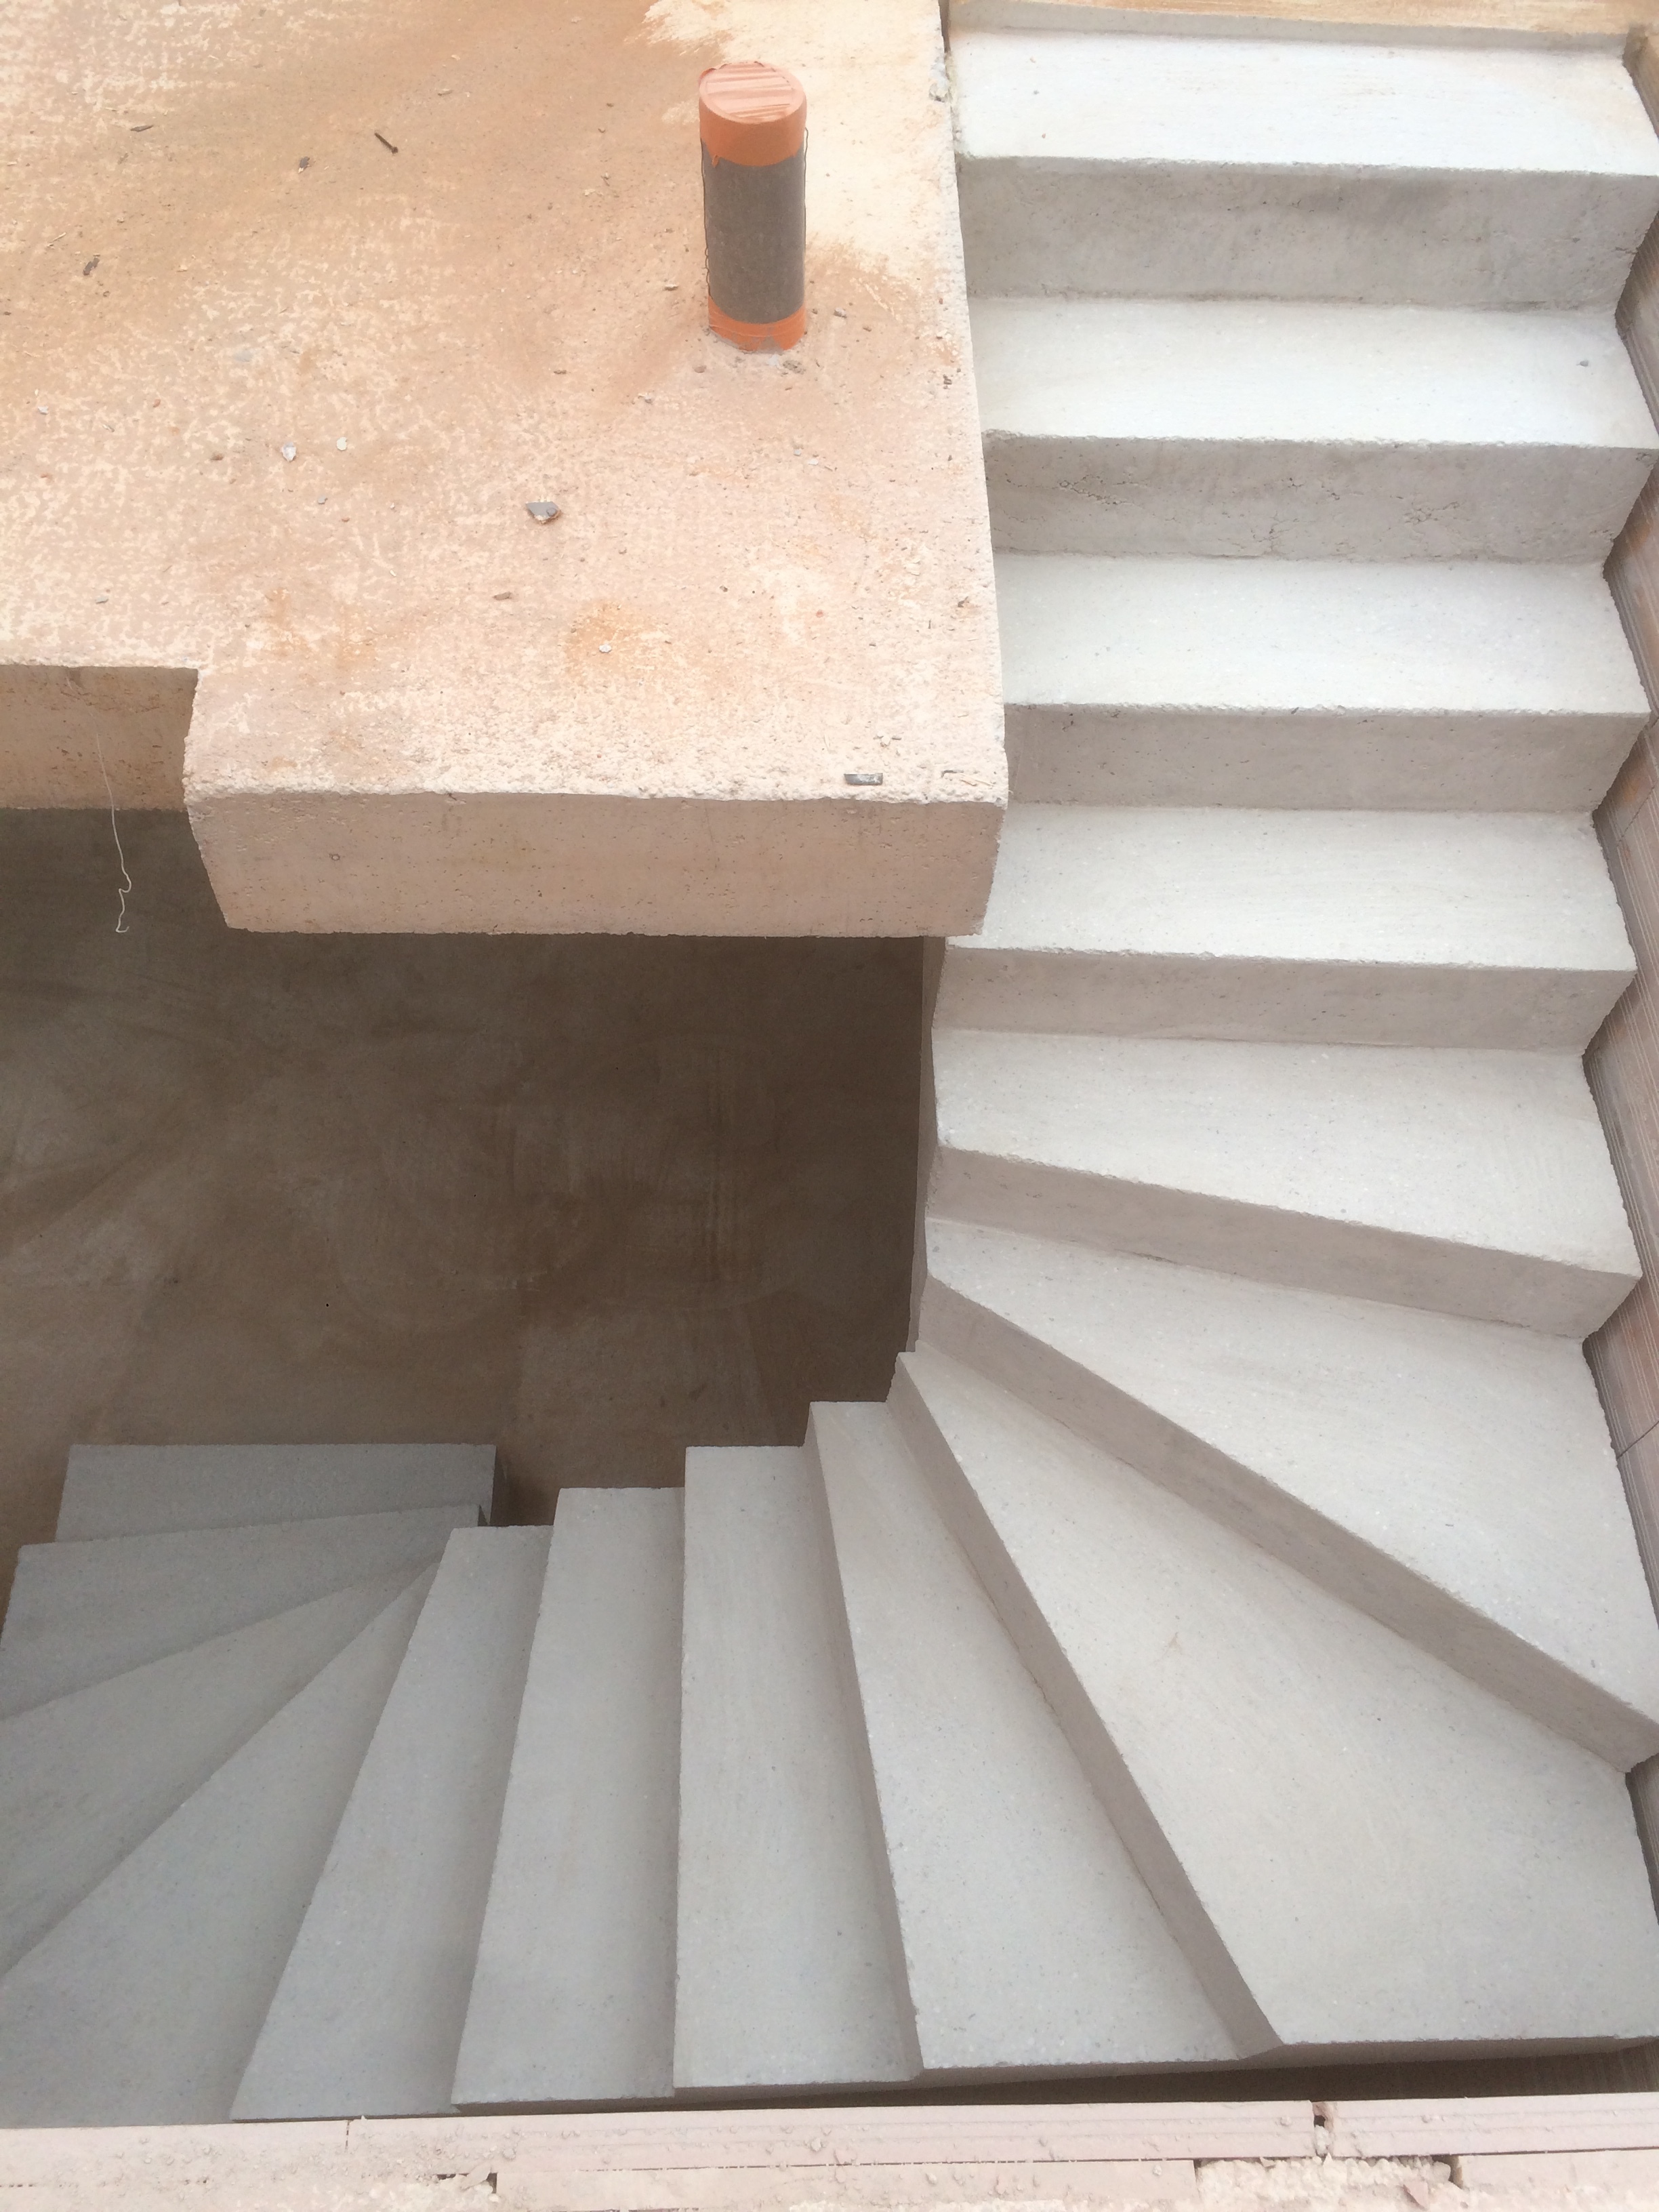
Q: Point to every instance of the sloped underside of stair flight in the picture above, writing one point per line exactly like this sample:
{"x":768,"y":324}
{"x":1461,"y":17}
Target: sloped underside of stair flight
{"x":1228,"y":1643}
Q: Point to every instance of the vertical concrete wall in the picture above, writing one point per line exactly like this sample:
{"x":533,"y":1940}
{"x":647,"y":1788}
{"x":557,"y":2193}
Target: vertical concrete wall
{"x":592,"y":1198}
{"x":1623,"y":1062}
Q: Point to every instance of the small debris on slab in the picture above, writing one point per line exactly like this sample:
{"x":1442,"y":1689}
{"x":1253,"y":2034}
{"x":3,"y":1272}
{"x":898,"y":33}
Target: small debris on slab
{"x":543,"y":510}
{"x":854,"y":776}
{"x":385,"y":142}
{"x":288,"y":452}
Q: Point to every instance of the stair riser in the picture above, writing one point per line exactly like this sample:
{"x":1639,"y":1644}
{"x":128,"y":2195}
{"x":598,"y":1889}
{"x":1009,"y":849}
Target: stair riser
{"x":1339,"y":1561}
{"x":1274,"y":1001}
{"x":1186,"y":230}
{"x":1316,"y":501}
{"x":1091,"y":1744}
{"x":1146,"y":756}
{"x":1200,"y":1231}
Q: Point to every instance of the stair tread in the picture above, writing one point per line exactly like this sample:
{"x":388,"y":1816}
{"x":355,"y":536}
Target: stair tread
{"x":136,"y":1490}
{"x":1528,"y":892}
{"x":1381,"y":1172}
{"x":1439,"y":638}
{"x":1030,"y":1939}
{"x":787,"y":1959}
{"x":82,"y":1611}
{"x":1276,"y":103}
{"x":142,"y":2004}
{"x":1300,"y":374}
{"x":572,"y":1999}
{"x":86,"y":1777}
{"x":1386,"y":1853}
{"x":1474,"y":1455}
{"x":367,"y":2016}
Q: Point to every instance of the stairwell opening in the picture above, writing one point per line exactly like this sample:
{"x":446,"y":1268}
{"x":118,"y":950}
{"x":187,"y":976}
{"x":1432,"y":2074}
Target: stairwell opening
{"x":591,"y":1199}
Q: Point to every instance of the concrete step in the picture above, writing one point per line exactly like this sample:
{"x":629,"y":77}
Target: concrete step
{"x":1306,"y":430}
{"x":1470,"y":1182}
{"x":144,"y":2003}
{"x":1453,"y":1479}
{"x":790,"y":1971}
{"x":1357,"y":1845}
{"x":84,"y":1779}
{"x":149,"y":1490}
{"x":1428,"y":685}
{"x":1030,"y":1941}
{"x":573,"y":1996}
{"x":369,"y":2013}
{"x":1295,"y":926}
{"x":82,"y":1611}
{"x":1299,"y":169}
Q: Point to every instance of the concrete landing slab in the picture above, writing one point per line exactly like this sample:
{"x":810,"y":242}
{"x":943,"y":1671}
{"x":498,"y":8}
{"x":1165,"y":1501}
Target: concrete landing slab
{"x":304,"y":309}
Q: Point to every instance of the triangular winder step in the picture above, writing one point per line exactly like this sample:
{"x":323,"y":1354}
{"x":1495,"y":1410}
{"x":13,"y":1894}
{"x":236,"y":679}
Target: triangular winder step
{"x":1030,"y":1941}
{"x":82,"y":1612}
{"x":1358,"y":1848}
{"x":368,"y":2017}
{"x":1472,"y":1182}
{"x":1452,"y":1478}
{"x":142,"y":2004}
{"x":1295,"y":925}
{"x":86,"y":1778}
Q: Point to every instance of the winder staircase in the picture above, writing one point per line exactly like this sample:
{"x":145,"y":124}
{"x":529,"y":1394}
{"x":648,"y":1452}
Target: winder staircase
{"x":1229,"y":1640}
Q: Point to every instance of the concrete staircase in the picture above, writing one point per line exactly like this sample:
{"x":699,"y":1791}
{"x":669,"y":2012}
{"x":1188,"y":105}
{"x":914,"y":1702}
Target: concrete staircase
{"x":1229,"y":1640}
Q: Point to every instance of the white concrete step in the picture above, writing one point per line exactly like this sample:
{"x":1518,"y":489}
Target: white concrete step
{"x":148,"y":1490}
{"x":573,"y":1996}
{"x":82,"y":1611}
{"x":1030,"y":1941}
{"x":1471,"y":1183}
{"x":790,"y":1971}
{"x":1358,"y":1846}
{"x":144,"y":2003}
{"x":1454,"y":1478}
{"x":1295,"y":926}
{"x":1306,"y":430}
{"x":1426,"y":685}
{"x":1299,"y":169}
{"x":84,"y":1779}
{"x":367,"y":2015}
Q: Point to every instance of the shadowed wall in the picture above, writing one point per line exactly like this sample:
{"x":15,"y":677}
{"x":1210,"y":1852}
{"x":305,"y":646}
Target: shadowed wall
{"x":594,"y":1199}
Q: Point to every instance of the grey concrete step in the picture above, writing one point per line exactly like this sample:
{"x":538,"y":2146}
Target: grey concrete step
{"x":146,"y":1490}
{"x":572,"y":1996}
{"x":1293,"y":925}
{"x":1306,"y":430}
{"x":1299,"y":169}
{"x":1469,"y":1182}
{"x":1491,"y":685}
{"x":142,"y":2004}
{"x":790,"y":1971}
{"x":1357,"y":1846}
{"x":82,"y":1612}
{"x":1454,"y":1478}
{"x":84,"y":1779}
{"x":1031,"y":1944}
{"x":369,"y":2013}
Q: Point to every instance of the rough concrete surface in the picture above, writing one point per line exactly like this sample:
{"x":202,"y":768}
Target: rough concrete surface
{"x":594,"y":1200}
{"x":301,"y":308}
